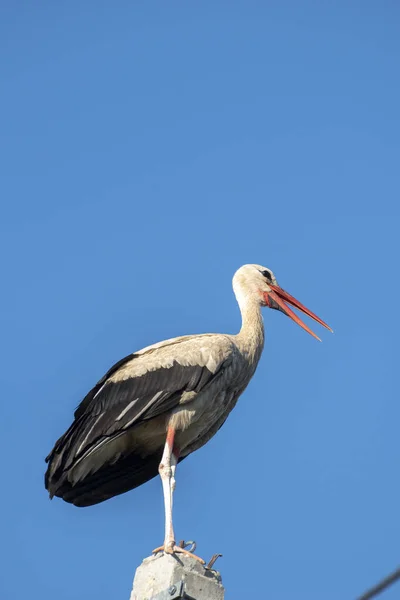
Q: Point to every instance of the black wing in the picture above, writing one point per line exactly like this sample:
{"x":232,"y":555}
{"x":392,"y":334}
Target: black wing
{"x":90,"y":395}
{"x":88,"y":464}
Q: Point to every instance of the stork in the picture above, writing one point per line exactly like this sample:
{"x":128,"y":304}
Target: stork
{"x":158,"y":405}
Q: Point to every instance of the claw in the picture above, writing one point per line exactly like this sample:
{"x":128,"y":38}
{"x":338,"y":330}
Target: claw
{"x":168,"y":549}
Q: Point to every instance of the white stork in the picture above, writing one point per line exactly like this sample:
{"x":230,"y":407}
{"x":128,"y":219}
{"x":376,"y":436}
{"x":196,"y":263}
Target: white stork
{"x":156,"y":406}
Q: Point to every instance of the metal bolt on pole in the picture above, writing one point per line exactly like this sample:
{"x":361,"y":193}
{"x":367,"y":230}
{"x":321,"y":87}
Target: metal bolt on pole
{"x":170,"y":577}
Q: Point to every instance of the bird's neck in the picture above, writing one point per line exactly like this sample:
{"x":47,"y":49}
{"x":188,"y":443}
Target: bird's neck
{"x":250,"y":338}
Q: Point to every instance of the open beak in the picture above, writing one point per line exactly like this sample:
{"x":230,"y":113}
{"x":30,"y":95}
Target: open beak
{"x":278,"y":298}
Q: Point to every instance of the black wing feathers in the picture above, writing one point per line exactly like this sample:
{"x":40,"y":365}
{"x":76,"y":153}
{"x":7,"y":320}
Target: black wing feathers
{"x":90,"y":395}
{"x":106,"y":412}
{"x":154,"y":393}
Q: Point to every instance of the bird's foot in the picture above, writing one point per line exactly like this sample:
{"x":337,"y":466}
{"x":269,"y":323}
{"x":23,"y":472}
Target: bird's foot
{"x":171,"y":548}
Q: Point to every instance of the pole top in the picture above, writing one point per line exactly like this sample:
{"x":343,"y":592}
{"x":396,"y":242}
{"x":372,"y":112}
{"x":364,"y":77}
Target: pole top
{"x":171,"y":577}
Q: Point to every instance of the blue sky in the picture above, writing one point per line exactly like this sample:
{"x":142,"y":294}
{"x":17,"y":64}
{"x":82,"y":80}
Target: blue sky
{"x":148,"y":150}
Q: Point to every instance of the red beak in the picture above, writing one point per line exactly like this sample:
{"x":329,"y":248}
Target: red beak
{"x":277,"y":298}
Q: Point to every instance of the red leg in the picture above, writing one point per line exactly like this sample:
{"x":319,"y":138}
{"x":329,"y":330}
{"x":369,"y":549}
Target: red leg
{"x":167,"y":473}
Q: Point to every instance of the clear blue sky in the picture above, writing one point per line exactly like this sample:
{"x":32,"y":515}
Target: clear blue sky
{"x":148,"y":150}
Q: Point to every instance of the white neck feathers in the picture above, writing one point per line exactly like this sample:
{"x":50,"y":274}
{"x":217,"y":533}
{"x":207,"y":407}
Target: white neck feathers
{"x":250,"y":339}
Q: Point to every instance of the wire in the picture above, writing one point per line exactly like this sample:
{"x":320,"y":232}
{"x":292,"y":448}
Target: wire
{"x":381,"y":586}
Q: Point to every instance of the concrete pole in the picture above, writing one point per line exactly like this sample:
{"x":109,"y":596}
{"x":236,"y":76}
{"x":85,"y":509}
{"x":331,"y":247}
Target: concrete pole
{"x":166,"y":577}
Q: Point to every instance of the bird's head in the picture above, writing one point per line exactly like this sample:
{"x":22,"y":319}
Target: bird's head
{"x":257,"y":282}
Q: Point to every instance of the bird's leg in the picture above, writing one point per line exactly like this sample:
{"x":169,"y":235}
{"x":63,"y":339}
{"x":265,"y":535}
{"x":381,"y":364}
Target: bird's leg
{"x":167,"y":470}
{"x":174,"y":462}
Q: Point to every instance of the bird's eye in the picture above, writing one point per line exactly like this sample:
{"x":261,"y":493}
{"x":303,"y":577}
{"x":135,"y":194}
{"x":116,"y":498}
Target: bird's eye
{"x":267,"y":275}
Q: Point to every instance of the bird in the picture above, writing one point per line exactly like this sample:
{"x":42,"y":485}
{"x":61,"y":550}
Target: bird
{"x":156,"y":406}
